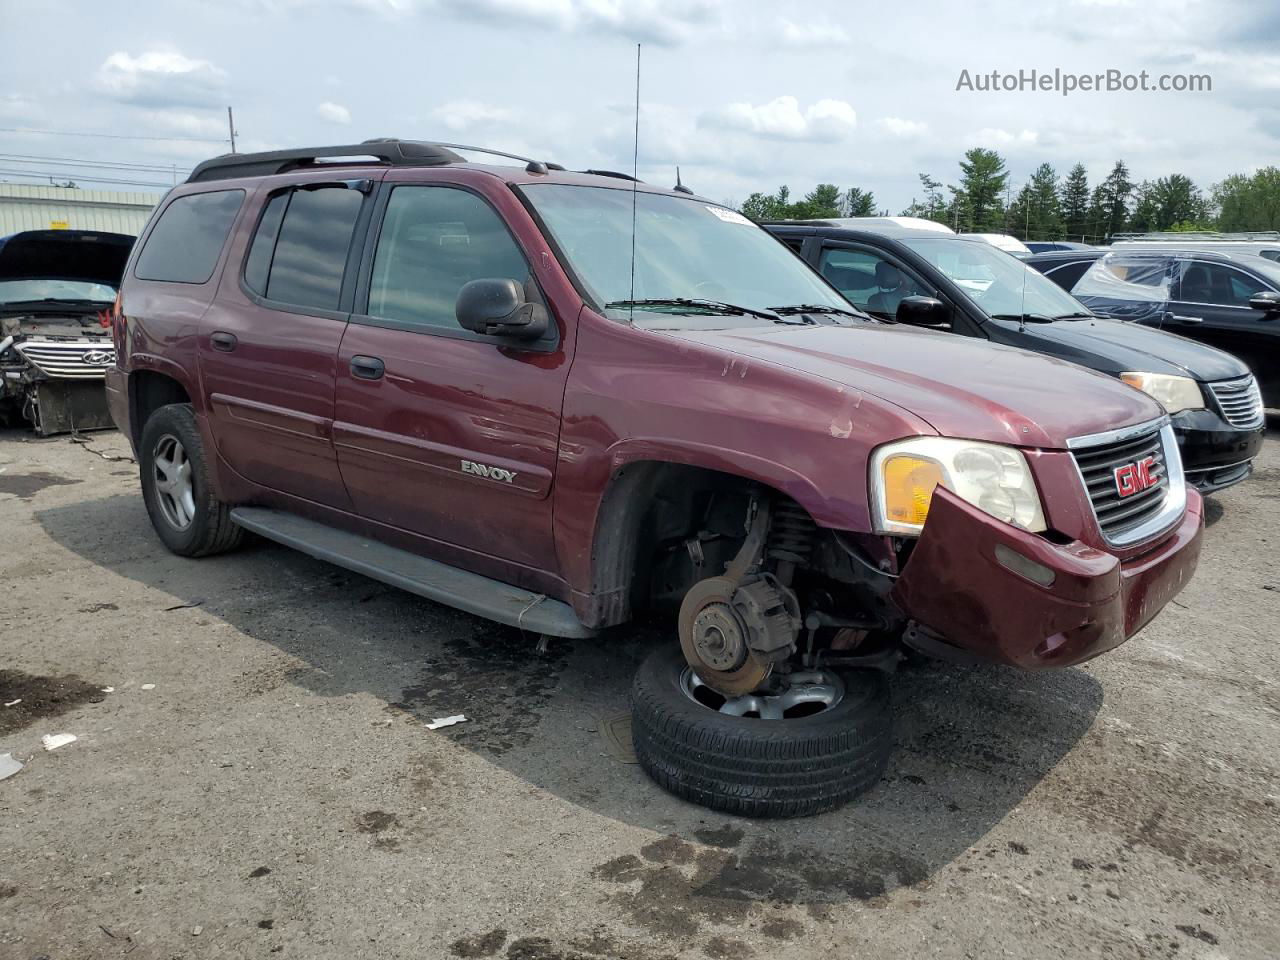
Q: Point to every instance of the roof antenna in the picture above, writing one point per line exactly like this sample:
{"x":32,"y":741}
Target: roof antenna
{"x":680,"y":187}
{"x":635,"y":174}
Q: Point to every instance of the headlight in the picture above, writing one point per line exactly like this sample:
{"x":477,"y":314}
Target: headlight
{"x":989,"y":476}
{"x":1174,"y":393}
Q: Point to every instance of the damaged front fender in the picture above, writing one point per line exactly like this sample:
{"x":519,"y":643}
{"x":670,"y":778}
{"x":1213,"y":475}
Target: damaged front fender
{"x":994,"y":592}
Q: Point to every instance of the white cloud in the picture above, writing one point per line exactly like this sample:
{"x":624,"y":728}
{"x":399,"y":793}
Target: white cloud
{"x":14,"y":106}
{"x":160,"y":78}
{"x":811,"y":35}
{"x":333,"y":113}
{"x":461,"y":115}
{"x":996,"y":137}
{"x":825,"y":121}
{"x":660,"y":22}
{"x":187,"y":123}
{"x":897,"y":127}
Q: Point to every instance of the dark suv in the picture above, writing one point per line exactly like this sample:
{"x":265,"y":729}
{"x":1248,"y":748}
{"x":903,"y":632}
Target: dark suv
{"x":950,"y":282}
{"x":560,"y":399}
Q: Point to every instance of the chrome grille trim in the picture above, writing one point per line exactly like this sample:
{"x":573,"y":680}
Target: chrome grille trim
{"x":1126,"y":521}
{"x":1240,"y":402}
{"x":66,"y":359}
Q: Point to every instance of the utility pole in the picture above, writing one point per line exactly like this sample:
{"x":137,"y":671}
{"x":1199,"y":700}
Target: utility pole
{"x":231,"y":129}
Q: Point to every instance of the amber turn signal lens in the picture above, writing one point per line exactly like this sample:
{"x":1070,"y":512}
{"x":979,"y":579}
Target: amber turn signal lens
{"x":908,"y":487}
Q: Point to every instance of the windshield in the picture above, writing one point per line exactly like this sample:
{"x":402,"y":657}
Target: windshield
{"x":999,"y":284}
{"x":14,"y":291}
{"x":685,"y":249}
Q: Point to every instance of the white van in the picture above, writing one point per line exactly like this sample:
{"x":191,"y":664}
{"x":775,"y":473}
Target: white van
{"x":1261,"y":244}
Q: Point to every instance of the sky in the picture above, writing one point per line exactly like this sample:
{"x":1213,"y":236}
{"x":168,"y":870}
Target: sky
{"x":743,"y":96}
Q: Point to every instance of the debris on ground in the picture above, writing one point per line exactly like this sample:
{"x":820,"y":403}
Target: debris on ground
{"x":52,"y":741}
{"x":14,"y":703}
{"x":147,"y":686}
{"x":108,"y":689}
{"x":9,"y":765}
{"x":186,"y":605}
{"x":439,"y":722}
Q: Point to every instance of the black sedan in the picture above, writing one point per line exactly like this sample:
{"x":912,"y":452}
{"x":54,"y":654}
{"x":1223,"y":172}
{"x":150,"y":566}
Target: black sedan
{"x":944,"y":281}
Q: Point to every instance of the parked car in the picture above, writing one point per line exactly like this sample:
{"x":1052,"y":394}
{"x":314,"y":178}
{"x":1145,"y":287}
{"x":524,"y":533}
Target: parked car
{"x":1066,"y":267}
{"x":1231,"y":301}
{"x":1002,"y":241}
{"x":1265,"y":243}
{"x":56,"y":288}
{"x":455,"y":378}
{"x":967,"y":287}
{"x":1049,"y":246}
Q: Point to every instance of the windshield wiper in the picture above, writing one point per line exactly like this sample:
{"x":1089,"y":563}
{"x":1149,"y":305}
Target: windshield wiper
{"x":1024,"y":317}
{"x":697,"y":305}
{"x":1079,"y":315}
{"x":796,"y":308}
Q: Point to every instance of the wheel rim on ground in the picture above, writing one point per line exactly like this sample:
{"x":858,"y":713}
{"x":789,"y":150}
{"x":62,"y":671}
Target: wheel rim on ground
{"x":175,"y":493}
{"x":800,"y":694}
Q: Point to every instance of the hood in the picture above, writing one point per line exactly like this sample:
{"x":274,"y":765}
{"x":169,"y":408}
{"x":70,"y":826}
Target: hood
{"x":1125,"y":346}
{"x":86,"y":255}
{"x":962,"y":388}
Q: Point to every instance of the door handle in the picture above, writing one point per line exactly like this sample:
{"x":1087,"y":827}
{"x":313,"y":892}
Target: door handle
{"x":1181,"y":319}
{"x":226,"y":342}
{"x":367,"y":368}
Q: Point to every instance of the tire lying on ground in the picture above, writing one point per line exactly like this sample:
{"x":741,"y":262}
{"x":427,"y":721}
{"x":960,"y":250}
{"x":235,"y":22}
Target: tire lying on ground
{"x":743,"y":765}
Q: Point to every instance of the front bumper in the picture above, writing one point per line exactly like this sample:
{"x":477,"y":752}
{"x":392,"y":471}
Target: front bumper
{"x":961,"y":585}
{"x":1215,"y":455}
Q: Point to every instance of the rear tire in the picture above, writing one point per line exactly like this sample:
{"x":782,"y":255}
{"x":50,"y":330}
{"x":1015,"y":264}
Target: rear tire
{"x":759,"y":768}
{"x":187,"y":517}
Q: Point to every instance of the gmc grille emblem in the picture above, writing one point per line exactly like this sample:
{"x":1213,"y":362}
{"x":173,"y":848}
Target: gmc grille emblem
{"x":1135,"y":477}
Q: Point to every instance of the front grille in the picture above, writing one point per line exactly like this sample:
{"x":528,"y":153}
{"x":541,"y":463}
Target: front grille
{"x":74,"y":359}
{"x":1118,"y":515}
{"x":1241,"y":402}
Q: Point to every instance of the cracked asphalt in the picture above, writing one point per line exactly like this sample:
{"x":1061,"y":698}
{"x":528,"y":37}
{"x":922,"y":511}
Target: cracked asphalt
{"x":259,"y":782}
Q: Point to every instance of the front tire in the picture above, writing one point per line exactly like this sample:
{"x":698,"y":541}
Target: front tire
{"x":792,"y":767}
{"x":187,"y":517}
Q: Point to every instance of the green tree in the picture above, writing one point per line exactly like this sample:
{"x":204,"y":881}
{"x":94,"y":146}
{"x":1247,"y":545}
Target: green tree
{"x":1109,"y":212}
{"x":934,"y":207}
{"x":761,"y":206}
{"x":820,"y":203}
{"x":983,"y":180}
{"x":858,"y":203}
{"x":1037,"y":213}
{"x":1075,"y":202}
{"x":1249,"y":202}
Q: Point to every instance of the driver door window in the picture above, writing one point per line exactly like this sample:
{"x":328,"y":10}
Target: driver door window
{"x":434,"y":240}
{"x":868,"y":281}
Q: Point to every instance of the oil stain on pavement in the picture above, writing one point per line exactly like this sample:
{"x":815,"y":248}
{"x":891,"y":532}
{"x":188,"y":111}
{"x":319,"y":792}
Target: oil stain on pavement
{"x":40,"y":698}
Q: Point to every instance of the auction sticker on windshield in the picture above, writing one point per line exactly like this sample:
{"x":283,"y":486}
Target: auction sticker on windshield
{"x":729,"y":216}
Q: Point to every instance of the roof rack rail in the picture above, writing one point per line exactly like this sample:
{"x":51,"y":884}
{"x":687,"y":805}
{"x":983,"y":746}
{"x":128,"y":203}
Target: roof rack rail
{"x":1178,"y":235}
{"x":614,"y":174}
{"x":389,"y":150}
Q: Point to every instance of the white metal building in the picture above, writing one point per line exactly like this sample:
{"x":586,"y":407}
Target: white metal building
{"x":33,"y":207}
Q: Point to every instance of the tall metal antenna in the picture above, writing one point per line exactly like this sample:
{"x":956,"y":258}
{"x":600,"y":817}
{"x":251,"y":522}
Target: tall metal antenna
{"x":635,"y":174}
{"x":231,"y":129}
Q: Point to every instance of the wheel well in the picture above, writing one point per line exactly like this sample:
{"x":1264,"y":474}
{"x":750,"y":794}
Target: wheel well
{"x":649,"y":509}
{"x":149,"y":391}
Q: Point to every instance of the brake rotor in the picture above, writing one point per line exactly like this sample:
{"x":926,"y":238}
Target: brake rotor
{"x":714,"y":639}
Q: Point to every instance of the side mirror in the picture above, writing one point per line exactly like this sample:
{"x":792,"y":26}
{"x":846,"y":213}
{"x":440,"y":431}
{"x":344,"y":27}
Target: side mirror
{"x":1268,"y":301}
{"x":498,"y":308}
{"x":924,"y":312}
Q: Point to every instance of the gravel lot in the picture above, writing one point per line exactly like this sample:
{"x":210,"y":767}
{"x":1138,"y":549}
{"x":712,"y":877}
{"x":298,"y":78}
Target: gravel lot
{"x":276,"y":793}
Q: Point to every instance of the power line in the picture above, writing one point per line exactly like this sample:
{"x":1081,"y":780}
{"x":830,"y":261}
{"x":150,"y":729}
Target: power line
{"x":113,"y":136}
{"x":33,"y":175}
{"x":92,"y":164}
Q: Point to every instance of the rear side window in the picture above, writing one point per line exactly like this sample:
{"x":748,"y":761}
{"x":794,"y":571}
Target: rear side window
{"x":310,"y":252}
{"x":433,"y":241}
{"x":184,"y":245}
{"x":263,"y":248}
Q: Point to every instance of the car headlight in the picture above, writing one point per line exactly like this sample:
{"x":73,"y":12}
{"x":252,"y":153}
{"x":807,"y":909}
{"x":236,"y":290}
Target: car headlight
{"x":1174,"y":393}
{"x":992,"y":477}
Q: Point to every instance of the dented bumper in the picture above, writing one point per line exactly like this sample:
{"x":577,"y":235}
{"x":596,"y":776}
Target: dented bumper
{"x":990,"y":591}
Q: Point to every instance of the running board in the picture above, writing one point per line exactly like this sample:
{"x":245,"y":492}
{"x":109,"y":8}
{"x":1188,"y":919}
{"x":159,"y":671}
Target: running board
{"x":408,"y":571}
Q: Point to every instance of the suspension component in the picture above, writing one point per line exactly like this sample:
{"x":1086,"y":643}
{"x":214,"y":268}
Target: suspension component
{"x":791,"y":536}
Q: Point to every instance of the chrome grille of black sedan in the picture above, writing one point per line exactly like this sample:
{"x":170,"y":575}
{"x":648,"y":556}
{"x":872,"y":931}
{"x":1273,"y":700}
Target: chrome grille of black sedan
{"x":1241,"y":402}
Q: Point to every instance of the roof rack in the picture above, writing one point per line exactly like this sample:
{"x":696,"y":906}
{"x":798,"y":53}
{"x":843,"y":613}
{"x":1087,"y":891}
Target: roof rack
{"x":614,"y":174}
{"x":389,"y":150}
{"x":1175,"y":235}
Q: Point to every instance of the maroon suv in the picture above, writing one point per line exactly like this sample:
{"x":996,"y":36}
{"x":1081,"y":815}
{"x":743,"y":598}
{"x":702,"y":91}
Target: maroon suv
{"x":560,"y":399}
